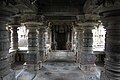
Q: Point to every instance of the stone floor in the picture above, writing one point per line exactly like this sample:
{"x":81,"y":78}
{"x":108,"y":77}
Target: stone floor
{"x":60,"y":71}
{"x":59,"y":66}
{"x":57,"y":71}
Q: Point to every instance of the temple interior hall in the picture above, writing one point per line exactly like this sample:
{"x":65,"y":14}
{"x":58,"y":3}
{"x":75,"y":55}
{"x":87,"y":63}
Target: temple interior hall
{"x":59,"y":39}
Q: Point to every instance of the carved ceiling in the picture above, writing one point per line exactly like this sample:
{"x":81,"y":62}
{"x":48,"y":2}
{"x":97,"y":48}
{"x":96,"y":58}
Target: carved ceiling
{"x":60,"y":11}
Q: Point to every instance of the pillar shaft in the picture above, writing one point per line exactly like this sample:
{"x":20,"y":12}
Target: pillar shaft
{"x":14,"y":35}
{"x":32,"y":46}
{"x":14,"y":38}
{"x":41,"y":41}
{"x":87,"y":56}
{"x":80,"y":42}
{"x":32,"y":53}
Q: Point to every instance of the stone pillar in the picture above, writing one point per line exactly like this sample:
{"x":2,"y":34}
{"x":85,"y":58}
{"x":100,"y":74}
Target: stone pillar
{"x":48,"y":40}
{"x":68,"y":43}
{"x":9,"y":32}
{"x":5,"y":72}
{"x":111,"y":20}
{"x":79,"y":41}
{"x":41,"y":41}
{"x":32,"y":53}
{"x":54,"y":43}
{"x":87,"y":56}
{"x":50,"y":36}
{"x":14,"y":35}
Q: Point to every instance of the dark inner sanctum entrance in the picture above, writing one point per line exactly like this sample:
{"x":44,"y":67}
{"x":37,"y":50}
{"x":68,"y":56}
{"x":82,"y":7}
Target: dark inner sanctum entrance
{"x":60,"y":36}
{"x":61,"y":41}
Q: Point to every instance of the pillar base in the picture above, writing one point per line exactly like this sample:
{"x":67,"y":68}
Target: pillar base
{"x":90,"y":72}
{"x":88,"y":68}
{"x":10,"y":76}
{"x":33,"y":67}
{"x":92,"y":76}
{"x":103,"y":76}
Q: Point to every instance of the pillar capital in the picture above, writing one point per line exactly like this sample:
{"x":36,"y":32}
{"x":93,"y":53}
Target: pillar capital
{"x":15,"y":21}
{"x":42,"y":27}
{"x":89,"y":21}
{"x":89,"y":25}
{"x":91,"y":17}
{"x":78,"y":26}
{"x":32,"y":25}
